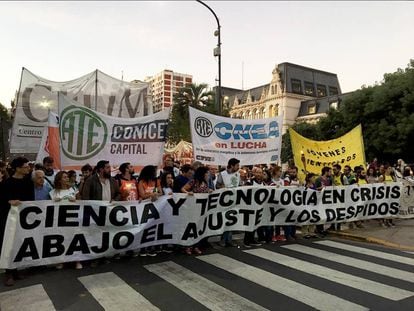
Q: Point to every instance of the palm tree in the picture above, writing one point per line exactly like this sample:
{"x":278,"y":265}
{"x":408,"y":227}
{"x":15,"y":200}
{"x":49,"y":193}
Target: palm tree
{"x":194,"y":95}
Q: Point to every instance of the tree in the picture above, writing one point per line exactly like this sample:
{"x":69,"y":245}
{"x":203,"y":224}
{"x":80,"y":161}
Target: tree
{"x":386,"y":113}
{"x":308,"y":130}
{"x":194,"y":95}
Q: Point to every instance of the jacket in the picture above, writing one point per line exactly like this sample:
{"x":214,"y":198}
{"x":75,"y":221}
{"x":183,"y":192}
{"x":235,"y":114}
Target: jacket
{"x":92,"y":189}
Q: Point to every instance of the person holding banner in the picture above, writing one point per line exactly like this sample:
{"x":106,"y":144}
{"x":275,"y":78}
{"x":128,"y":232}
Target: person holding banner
{"x":149,"y":187}
{"x":277,"y":181}
{"x":198,"y":185}
{"x":325,"y":180}
{"x":229,"y":178}
{"x":264,"y":233}
{"x":127,"y":183}
{"x":64,"y":192}
{"x":387,"y":177}
{"x":101,"y":186}
{"x":19,"y":187}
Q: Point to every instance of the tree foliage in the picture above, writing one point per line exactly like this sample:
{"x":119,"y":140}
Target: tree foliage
{"x":194,"y":95}
{"x":386,"y":113}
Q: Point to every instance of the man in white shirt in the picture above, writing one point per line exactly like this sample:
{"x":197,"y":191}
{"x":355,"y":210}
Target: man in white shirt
{"x":229,"y":178}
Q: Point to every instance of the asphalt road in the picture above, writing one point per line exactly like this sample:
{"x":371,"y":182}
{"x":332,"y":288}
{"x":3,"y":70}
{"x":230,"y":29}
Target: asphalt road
{"x":319,"y":274}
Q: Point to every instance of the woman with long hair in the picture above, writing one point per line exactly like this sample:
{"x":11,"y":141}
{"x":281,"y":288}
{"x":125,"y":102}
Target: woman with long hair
{"x":197,"y":185}
{"x":387,"y":177}
{"x":167,"y":183}
{"x":64,"y":192}
{"x":149,"y":187}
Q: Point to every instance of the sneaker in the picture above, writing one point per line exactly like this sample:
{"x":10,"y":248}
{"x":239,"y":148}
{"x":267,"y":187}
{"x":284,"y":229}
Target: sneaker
{"x":280,"y":238}
{"x":290,"y":239}
{"x":151,"y":253}
{"x":9,"y":280}
{"x":167,"y":250}
{"x":255,"y":243}
{"x":274,"y":238}
{"x":78,"y":266}
{"x":59,"y":266}
{"x":307,"y":237}
{"x":197,"y":251}
{"x":188,"y":251}
{"x":383,"y":225}
{"x":143,"y":253}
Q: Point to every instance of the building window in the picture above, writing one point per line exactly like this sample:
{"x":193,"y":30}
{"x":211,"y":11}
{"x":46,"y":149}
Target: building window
{"x":333,"y":90}
{"x":312,"y":108}
{"x":333,"y":105}
{"x":309,"y":89}
{"x":321,"y":90}
{"x":296,"y":86}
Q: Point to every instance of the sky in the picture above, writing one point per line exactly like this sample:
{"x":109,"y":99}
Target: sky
{"x":61,"y":41}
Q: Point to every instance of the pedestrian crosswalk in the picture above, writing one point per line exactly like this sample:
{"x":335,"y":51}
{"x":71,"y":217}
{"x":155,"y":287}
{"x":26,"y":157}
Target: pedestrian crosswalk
{"x":320,"y":275}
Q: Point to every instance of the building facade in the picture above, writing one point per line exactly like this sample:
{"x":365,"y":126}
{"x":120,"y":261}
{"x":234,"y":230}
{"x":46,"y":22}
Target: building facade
{"x":164,"y":85}
{"x":289,"y":91}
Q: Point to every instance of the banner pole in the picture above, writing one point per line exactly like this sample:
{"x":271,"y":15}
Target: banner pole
{"x":96,"y":90}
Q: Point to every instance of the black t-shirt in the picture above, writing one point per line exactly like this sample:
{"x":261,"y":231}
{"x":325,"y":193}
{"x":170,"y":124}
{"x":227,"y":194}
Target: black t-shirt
{"x":16,"y":189}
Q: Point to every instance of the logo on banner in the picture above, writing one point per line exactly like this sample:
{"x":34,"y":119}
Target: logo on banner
{"x":83,"y":134}
{"x":203,"y":126}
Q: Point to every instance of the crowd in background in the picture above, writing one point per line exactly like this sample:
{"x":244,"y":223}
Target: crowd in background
{"x":21,"y":180}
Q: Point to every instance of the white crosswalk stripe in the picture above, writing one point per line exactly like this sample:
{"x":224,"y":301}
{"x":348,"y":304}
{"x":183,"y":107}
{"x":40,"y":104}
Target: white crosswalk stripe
{"x":209,"y":294}
{"x":369,"y":286}
{"x":310,"y":296}
{"x":113,"y":293}
{"x":31,"y":298}
{"x":353,"y":262}
{"x":209,"y":289}
{"x":367,"y":251}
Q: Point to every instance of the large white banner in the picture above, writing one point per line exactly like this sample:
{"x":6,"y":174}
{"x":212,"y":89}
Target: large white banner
{"x":95,"y":90}
{"x":407,"y":198}
{"x":46,"y":232}
{"x":87,"y":136}
{"x":217,"y":139}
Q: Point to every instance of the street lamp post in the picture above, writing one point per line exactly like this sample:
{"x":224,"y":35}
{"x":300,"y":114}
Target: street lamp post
{"x":217,"y":52}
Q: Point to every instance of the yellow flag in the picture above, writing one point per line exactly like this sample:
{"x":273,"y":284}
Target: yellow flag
{"x":312,"y":156}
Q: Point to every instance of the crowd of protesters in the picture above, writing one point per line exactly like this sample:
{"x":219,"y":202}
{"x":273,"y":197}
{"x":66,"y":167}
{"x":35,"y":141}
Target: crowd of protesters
{"x":21,"y":180}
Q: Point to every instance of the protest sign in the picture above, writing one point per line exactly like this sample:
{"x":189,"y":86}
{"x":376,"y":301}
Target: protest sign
{"x":407,"y":198}
{"x":95,"y":90}
{"x":217,"y":139}
{"x":312,"y":156}
{"x":89,"y":136}
{"x":46,"y":232}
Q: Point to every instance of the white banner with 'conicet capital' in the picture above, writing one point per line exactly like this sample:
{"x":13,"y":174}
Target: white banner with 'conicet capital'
{"x":217,"y":139}
{"x":87,"y":136}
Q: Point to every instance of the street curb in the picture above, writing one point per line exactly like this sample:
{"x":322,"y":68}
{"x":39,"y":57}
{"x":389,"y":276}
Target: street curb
{"x":371,"y":240}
